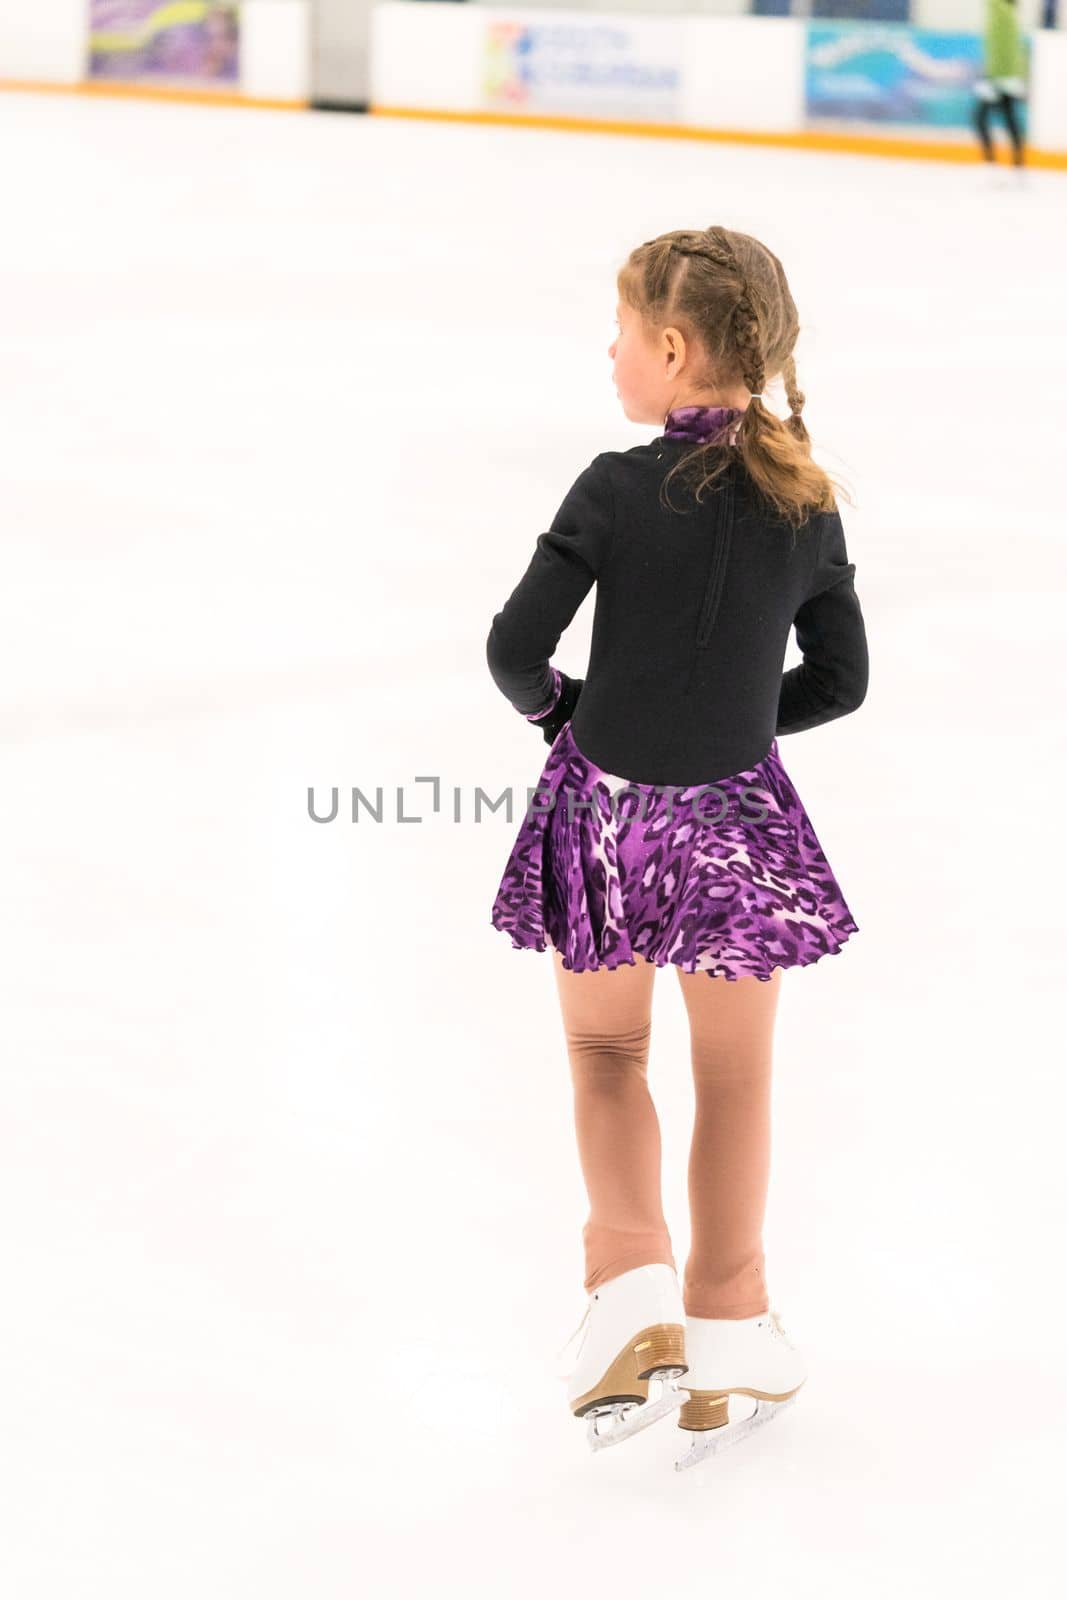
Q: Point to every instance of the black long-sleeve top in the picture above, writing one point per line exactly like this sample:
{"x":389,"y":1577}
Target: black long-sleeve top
{"x":685,"y":681}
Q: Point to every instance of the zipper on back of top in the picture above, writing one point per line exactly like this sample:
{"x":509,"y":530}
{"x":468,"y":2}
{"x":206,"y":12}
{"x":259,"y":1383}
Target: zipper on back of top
{"x":720,"y":555}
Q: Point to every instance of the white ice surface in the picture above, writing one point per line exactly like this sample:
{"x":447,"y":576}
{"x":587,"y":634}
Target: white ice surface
{"x":290,"y":1201}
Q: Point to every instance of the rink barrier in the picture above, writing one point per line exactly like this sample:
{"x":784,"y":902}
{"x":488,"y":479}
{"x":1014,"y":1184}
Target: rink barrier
{"x":430,"y":62}
{"x":735,"y":79}
{"x":45,"y":47}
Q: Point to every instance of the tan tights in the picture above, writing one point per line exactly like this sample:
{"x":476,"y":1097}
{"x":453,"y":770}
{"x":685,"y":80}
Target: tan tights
{"x":607,"y":1021}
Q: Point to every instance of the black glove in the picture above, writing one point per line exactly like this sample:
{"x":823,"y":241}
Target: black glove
{"x":563,"y":710}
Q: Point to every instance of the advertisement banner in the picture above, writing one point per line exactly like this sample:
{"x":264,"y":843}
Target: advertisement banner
{"x":180,"y":43}
{"x":891,"y":73}
{"x":621,"y":70}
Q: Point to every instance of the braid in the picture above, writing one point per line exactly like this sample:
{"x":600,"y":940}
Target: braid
{"x":728,"y":294}
{"x":745,"y":323}
{"x":795,"y":397}
{"x":747,"y":339}
{"x":718,"y":247}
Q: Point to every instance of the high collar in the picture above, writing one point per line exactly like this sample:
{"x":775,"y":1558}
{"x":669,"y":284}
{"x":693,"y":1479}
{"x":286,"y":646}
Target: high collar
{"x":700,"y":423}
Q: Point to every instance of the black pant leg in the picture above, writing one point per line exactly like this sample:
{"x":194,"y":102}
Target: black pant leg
{"x":981,"y":122}
{"x":1007,"y":105}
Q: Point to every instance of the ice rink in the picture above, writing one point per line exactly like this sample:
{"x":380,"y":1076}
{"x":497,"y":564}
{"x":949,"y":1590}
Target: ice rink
{"x":291,"y":1202}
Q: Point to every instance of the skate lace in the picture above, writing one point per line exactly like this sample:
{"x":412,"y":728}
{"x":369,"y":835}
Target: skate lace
{"x":578,"y":1329}
{"x":778,"y":1328}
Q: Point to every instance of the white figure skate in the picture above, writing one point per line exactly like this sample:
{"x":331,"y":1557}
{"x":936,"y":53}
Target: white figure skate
{"x":750,"y":1356}
{"x":635,"y":1335}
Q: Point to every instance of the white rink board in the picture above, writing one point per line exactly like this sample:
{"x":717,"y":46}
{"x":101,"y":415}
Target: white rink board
{"x":433,"y":57}
{"x":1048,"y":91}
{"x":46,"y":41}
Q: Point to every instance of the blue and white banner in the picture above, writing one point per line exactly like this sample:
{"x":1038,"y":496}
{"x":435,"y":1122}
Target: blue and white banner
{"x":890,"y":72}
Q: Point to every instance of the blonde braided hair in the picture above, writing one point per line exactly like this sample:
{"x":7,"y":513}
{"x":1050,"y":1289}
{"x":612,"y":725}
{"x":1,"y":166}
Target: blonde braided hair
{"x":728,"y":295}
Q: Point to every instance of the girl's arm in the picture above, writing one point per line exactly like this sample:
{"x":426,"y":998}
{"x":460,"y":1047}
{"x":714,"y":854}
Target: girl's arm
{"x":562,"y":570}
{"x":832,"y":679}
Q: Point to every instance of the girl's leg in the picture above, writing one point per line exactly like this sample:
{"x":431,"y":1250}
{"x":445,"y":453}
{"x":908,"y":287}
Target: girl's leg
{"x":731,"y":1026}
{"x":1008,"y":104}
{"x":607,"y":1021}
{"x":981,"y":122}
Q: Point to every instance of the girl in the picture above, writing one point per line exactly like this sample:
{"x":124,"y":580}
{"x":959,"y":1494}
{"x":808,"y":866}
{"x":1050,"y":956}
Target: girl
{"x":706,"y":546}
{"x":1003,"y":83}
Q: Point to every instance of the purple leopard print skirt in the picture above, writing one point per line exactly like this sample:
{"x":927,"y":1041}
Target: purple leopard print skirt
{"x":725,"y":878}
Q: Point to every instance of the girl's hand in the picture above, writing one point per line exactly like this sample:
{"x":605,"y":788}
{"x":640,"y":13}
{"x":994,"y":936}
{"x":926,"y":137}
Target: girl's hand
{"x":563,"y":710}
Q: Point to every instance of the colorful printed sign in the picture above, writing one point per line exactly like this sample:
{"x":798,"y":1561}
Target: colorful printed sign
{"x":190,"y":42}
{"x":889,"y":72}
{"x":619,"y":70}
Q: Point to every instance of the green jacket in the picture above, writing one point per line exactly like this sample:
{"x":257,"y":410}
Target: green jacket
{"x":1004,"y":53}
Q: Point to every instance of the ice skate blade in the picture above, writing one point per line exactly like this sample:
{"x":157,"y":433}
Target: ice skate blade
{"x":712,"y":1440}
{"x":628,"y":1417}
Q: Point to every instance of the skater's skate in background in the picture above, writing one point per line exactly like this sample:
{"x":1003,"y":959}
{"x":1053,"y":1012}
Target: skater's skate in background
{"x":634,"y":1337}
{"x":751,"y":1356}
